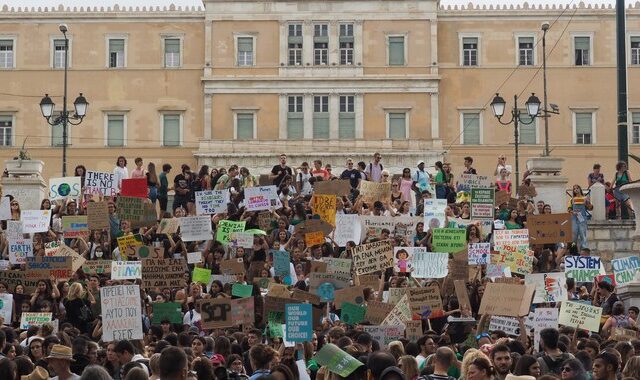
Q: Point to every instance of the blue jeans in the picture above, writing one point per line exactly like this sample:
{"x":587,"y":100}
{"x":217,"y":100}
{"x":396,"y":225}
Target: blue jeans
{"x":579,"y":232}
{"x":153,"y":194}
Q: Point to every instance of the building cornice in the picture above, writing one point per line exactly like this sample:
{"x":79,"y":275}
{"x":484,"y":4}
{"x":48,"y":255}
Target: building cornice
{"x":102,"y":12}
{"x":527,"y":10}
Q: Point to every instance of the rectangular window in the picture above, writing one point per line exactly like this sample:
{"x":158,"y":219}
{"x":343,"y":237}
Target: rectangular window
{"x":6,"y":130}
{"x":582,"y":46}
{"x":245,"y":51}
{"x":635,"y":128}
{"x":635,"y":50}
{"x":115,"y":130}
{"x":244,"y":126}
{"x":58,"y":54}
{"x":470,"y":51}
{"x":525,"y":51}
{"x":347,"y":117}
{"x":584,"y":127}
{"x":321,"y":117}
{"x":172,"y":52}
{"x":397,"y":125}
{"x":346,"y":44}
{"x":295,"y":117}
{"x":171,"y":130}
{"x":116,"y":52}
{"x":321,"y":44}
{"x":471,"y":128}
{"x":6,"y":54}
{"x":396,"y":51}
{"x":56,"y":132}
{"x":295,"y":44}
{"x":528,"y":130}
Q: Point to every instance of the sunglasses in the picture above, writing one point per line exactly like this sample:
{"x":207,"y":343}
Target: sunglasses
{"x":567,"y":369}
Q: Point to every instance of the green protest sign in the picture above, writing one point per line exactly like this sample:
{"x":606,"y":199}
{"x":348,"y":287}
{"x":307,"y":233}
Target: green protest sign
{"x":276,"y":319}
{"x":482,"y":203}
{"x":336,"y":360}
{"x":171,"y":311}
{"x":241,"y":290}
{"x":226,"y":228}
{"x":449,"y":240}
{"x":352,"y":314}
{"x":201,"y":275}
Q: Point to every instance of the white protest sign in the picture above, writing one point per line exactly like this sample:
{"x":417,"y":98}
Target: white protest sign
{"x":580,"y":315}
{"x":430,"y":264}
{"x":511,"y":238}
{"x":479,"y":253}
{"x":194,"y":257}
{"x":126,"y":270}
{"x":626,"y":269}
{"x":543,"y":317}
{"x":550,"y":287}
{"x":19,"y":250}
{"x":100,"y":183}
{"x":243,"y":239}
{"x":211,"y":202}
{"x":64,"y":187}
{"x":35,"y":221}
{"x":121,"y":313}
{"x":348,"y":228}
{"x":6,"y":307}
{"x":261,"y":198}
{"x":15,"y":230}
{"x":5,"y":208}
{"x":509,"y":325}
{"x":196,"y":228}
{"x":434,"y":213}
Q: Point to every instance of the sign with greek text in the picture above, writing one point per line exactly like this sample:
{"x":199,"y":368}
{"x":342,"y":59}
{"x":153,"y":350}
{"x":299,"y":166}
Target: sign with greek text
{"x":163,"y":273}
{"x":482,"y":203}
{"x":449,"y":240}
{"x":372,"y":257}
{"x":121,"y":313}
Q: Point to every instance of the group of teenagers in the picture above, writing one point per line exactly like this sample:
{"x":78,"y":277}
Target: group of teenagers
{"x":450,"y":348}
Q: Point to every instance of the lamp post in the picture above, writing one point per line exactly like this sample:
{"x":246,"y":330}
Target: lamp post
{"x":498,"y":106}
{"x":47,"y":106}
{"x":544,"y":113}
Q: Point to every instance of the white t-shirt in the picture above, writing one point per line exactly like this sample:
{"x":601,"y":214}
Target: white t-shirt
{"x":500,"y":167}
{"x":305,"y":189}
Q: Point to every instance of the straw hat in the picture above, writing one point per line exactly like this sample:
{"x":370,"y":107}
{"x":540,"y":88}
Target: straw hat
{"x":60,"y":351}
{"x":38,"y":373}
{"x":521,"y":377}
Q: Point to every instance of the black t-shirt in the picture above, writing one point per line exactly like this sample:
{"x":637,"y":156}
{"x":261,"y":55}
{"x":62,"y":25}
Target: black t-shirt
{"x":281,"y":172}
{"x":352,"y":175}
{"x":181,"y":182}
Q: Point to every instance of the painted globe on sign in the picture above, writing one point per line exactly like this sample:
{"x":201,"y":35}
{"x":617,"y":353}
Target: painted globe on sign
{"x":143,"y":252}
{"x":64,"y":189}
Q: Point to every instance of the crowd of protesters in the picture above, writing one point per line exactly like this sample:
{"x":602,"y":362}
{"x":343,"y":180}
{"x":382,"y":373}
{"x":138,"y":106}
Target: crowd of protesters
{"x":74,"y":348}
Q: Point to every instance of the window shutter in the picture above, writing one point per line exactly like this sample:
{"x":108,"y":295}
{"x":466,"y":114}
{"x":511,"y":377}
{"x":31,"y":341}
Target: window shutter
{"x":526,"y":42}
{"x":244,"y":126}
{"x":396,"y":50}
{"x":397,"y":126}
{"x":171,"y":130}
{"x":470,"y":41}
{"x":581,"y":43}
{"x":116,"y":46}
{"x":172,"y":45}
{"x":471,"y":128}
{"x":245,"y":44}
{"x":527,"y":131}
{"x":6,"y":44}
{"x":321,"y":125}
{"x":347,"y":125}
{"x":115,"y":130}
{"x":583,"y":123}
{"x":635,"y":117}
{"x":295,"y":125}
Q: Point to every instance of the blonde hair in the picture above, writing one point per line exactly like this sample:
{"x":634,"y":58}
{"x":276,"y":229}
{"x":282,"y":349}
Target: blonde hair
{"x":632,"y":368}
{"x":409,"y":366}
{"x":396,"y":348}
{"x":75,"y":291}
{"x":469,"y":356}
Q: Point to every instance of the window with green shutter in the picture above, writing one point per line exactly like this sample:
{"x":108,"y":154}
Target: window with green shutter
{"x":397,"y":125}
{"x":347,"y":117}
{"x":527,"y":132}
{"x":56,"y":131}
{"x":244,"y":126}
{"x":171,"y":129}
{"x":116,"y":52}
{"x":245,"y":51}
{"x":396,"y":51}
{"x":584,"y":128}
{"x":471,"y":128}
{"x":115,"y":130}
{"x":321,"y":123}
{"x":172,"y":52}
{"x":295,"y":118}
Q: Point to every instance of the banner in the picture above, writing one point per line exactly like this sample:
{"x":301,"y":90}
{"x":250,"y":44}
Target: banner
{"x":65,"y":187}
{"x":373,"y":191}
{"x":467,"y":182}
{"x":226,"y":228}
{"x":100,"y":183}
{"x":299,"y":322}
{"x":348,"y":228}
{"x":583,"y":268}
{"x":29,"y":319}
{"x":216,"y":313}
{"x":98,"y":215}
{"x":549,"y":228}
{"x":126,"y":270}
{"x":134,"y":187}
{"x":34,"y":221}
{"x":580,"y":315}
{"x":75,"y":226}
{"x":166,"y":311}
{"x":130,"y":208}
{"x":506,"y":299}
{"x":261,"y":198}
{"x":210,"y":202}
{"x":43,"y":267}
{"x":325,"y":207}
{"x":372,"y":257}
{"x":163,"y":273}
{"x":482,"y":203}
{"x":429,"y":264}
{"x":434,"y":213}
{"x":550,"y":287}
{"x":338,"y":187}
{"x":195,"y":228}
{"x":449,"y":240}
{"x":121,"y":313}
{"x":20,"y":250}
{"x":626,"y":269}
{"x":479,"y":253}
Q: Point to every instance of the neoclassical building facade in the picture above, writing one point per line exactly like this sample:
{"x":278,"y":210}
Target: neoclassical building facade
{"x":242,"y":81}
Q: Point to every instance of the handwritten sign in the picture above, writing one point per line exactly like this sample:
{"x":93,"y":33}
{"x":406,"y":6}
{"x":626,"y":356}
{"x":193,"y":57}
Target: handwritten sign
{"x":449,"y":240}
{"x":482,"y":203}
{"x":467,"y":182}
{"x":299,"y":322}
{"x":65,"y":187}
{"x":20,"y":250}
{"x":372,"y":257}
{"x":100,"y":183}
{"x":34,"y":221}
{"x":201,"y":275}
{"x":130,"y":208}
{"x":434,"y":213}
{"x":121,"y":313}
{"x":580,"y":315}
{"x":479,"y":253}
{"x":126,"y":270}
{"x":97,"y":266}
{"x":168,"y":226}
{"x":210,"y":202}
{"x":228,"y":227}
{"x":314,"y":238}
{"x":325,"y":207}
{"x":194,"y":257}
{"x":549,"y":228}
{"x":216,"y":313}
{"x":373,"y":191}
{"x":348,"y":229}
{"x":126,"y":241}
{"x":44,"y":267}
{"x":163,"y":273}
{"x":338,"y":187}
{"x":77,"y":261}
{"x":583,"y":268}
{"x":430,"y":264}
{"x":550,"y":287}
{"x":75,"y":226}
{"x":98,"y":215}
{"x":425,"y":302}
{"x":6,"y":307}
{"x":167,"y":311}
{"x":626,"y":269}
{"x":29,"y":319}
{"x":195,"y":228}
{"x":261,"y":198}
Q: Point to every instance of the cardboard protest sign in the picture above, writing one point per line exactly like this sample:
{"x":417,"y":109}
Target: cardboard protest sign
{"x":373,"y":191}
{"x":458,"y":267}
{"x":580,"y":315}
{"x":261,"y":198}
{"x":130,"y":208}
{"x":506,"y":299}
{"x":425,"y":302}
{"x":126,"y":270}
{"x":502,"y":197}
{"x":372,"y":257}
{"x":550,"y":287}
{"x":163,"y":273}
{"x":121,"y":313}
{"x":395,"y":294}
{"x":368,"y":280}
{"x":314,"y":238}
{"x":34,"y":221}
{"x":299,"y":322}
{"x":98,"y":215}
{"x":168,"y":226}
{"x":518,"y":237}
{"x":401,"y":313}
{"x":226,"y":228}
{"x":543,"y":317}
{"x":233,"y":266}
{"x":97,"y":266}
{"x":434,"y":213}
{"x":517,"y":259}
{"x":335,"y":265}
{"x":51,"y":248}
{"x":313,"y":225}
{"x":127,"y":241}
{"x":6,"y":307}
{"x":317,"y":266}
{"x":348,"y":228}
{"x":100,"y":183}
{"x":549,"y":228}
{"x":449,"y":240}
{"x":463,"y":297}
{"x":65,"y":187}
{"x":467,"y":182}
{"x":377,"y":311}
{"x":77,"y":261}
{"x":479,"y":253}
{"x":145,"y":252}
{"x":44,"y":267}
{"x":583,"y":268}
{"x":482,"y":203}
{"x":29,"y":319}
{"x":20,"y":250}
{"x":325,"y":207}
{"x":338,"y":187}
{"x":201,"y":275}
{"x":276,"y":304}
{"x":430,"y":264}
{"x":210,"y":202}
{"x":243,"y":310}
{"x":134,"y":187}
{"x":302,"y":296}
{"x":337,"y":360}
{"x":18,"y":277}
{"x":339,"y":280}
{"x":216,"y":313}
{"x":278,"y":290}
{"x":75,"y":226}
{"x":623,"y":335}
{"x":353,"y":294}
{"x":626,"y":269}
{"x":166,"y":311}
{"x":385,"y":334}
{"x":243,"y":239}
{"x":396,"y":225}
{"x":195,"y":228}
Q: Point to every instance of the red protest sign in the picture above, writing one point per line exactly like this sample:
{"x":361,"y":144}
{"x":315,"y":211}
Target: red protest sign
{"x":134,"y":187}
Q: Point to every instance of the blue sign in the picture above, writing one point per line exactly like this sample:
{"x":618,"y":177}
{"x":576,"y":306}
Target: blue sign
{"x":298,"y":322}
{"x":281,"y":263}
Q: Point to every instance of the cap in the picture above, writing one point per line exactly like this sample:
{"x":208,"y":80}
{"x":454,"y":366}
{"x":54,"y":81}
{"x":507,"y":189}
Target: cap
{"x":420,"y":162}
{"x":217,"y":359}
{"x":194,"y":330}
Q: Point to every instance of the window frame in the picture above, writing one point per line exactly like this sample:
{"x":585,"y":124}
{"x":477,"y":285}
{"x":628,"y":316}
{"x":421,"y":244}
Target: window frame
{"x":407,"y":118}
{"x":405,"y":59}
{"x":14,"y":44}
{"x":124,"y":128}
{"x":631,"y":123}
{"x":534,"y":58}
{"x":461,"y":37}
{"x":535,"y":125}
{"x":174,"y":36}
{"x":236,"y":112}
{"x":589,"y":35}
{"x":480,"y":113}
{"x":180,"y":126}
{"x":574,"y":113}
{"x":108,"y":39}
{"x":236,"y":39}
{"x":629,"y":37}
{"x":346,"y":50}
{"x":52,"y":55}
{"x":12,"y":143}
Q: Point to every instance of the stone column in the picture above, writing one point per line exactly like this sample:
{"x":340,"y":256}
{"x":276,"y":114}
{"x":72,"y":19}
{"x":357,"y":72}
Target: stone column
{"x":25,"y":183}
{"x":597,"y":197}
{"x":633,"y":191}
{"x":550,"y":185}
